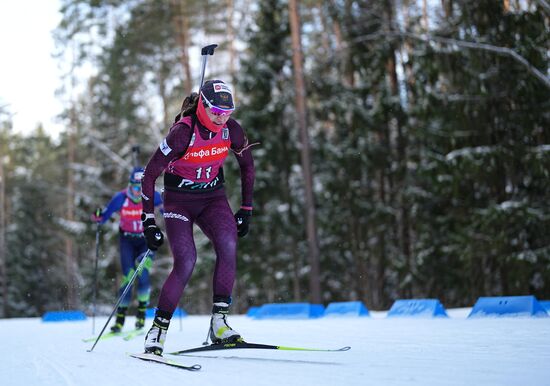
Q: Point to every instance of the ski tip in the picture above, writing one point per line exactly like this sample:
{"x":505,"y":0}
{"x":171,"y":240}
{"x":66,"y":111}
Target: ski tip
{"x":346,"y":348}
{"x":158,"y":358}
{"x":144,"y":354}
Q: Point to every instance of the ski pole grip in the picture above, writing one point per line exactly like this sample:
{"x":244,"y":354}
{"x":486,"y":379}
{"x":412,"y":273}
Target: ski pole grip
{"x":98,"y":212}
{"x":208,"y":50}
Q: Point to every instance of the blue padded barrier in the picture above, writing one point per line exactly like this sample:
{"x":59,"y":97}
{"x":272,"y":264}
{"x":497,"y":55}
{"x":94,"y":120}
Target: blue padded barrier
{"x":150,"y":313}
{"x":63,"y":316}
{"x":546,"y":305}
{"x":355,"y":308}
{"x":289,"y":311}
{"x":417,"y":308}
{"x":252,"y":311}
{"x":508,"y":306}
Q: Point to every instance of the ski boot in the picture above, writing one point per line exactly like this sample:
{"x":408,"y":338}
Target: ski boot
{"x":154,"y":340}
{"x":220,"y":331}
{"x":140,"y":315}
{"x":119,"y":322}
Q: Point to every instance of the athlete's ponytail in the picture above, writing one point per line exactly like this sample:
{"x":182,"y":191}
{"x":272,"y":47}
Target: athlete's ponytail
{"x":189,"y":106}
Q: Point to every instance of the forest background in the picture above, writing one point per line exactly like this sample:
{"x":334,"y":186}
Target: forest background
{"x":405,"y":149}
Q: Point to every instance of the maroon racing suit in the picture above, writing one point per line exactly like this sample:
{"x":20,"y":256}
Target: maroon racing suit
{"x":194,"y":194}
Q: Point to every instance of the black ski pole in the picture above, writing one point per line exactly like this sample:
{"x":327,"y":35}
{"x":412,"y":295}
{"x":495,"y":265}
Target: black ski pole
{"x":135,"y":155}
{"x":94,"y":296}
{"x":126,"y":289}
{"x":205,"y":51}
{"x":188,"y":101}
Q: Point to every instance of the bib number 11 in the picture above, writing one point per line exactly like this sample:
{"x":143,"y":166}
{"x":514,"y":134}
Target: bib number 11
{"x":207,"y":171}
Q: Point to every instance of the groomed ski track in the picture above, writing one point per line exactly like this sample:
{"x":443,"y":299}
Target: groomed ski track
{"x":395,"y":351}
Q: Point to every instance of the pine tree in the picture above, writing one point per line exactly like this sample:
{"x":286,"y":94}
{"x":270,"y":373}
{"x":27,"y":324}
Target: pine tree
{"x":34,"y":237}
{"x":278,"y":225}
{"x":483,"y":127}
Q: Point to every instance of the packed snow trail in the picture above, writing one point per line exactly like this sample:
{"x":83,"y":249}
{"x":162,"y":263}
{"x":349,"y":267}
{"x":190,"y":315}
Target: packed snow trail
{"x":393,"y":351}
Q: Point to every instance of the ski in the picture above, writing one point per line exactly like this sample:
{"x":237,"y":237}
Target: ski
{"x":126,"y":335}
{"x":242,"y":344}
{"x":165,"y":361}
{"x":103,"y":337}
{"x":134,"y":333}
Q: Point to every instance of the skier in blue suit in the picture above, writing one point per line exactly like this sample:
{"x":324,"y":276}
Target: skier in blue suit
{"x":132,"y":245}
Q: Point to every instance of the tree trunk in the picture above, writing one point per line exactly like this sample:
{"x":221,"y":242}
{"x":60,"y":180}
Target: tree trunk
{"x":311,"y":227}
{"x":349,"y":66}
{"x":407,"y":64}
{"x":296,"y":288}
{"x":296,"y":258}
{"x":401,"y":150}
{"x":231,"y":41}
{"x":181,"y":23}
{"x":3,"y":273}
{"x":70,"y":260}
{"x":380,"y":269}
{"x":425,"y":15}
{"x":325,"y":31}
{"x":360,"y":269}
{"x":337,"y":30}
{"x":166,"y":120}
{"x":447,"y":8}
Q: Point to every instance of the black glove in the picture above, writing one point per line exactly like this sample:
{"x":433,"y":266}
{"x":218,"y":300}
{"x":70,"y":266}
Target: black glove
{"x":242,"y":217}
{"x":152,"y":233}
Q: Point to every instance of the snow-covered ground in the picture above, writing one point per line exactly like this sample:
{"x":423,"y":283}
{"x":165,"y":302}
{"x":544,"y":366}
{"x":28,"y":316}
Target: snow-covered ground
{"x":384,"y":351}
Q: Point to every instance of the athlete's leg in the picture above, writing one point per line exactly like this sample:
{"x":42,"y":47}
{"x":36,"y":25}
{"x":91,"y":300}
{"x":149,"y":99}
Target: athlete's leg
{"x":178,"y":218}
{"x":127,"y":266}
{"x":218,"y":224}
{"x":143,"y":280}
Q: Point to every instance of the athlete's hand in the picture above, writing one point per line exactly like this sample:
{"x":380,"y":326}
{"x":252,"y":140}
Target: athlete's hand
{"x":96,"y":216}
{"x":242,"y":217}
{"x":152,"y":233}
